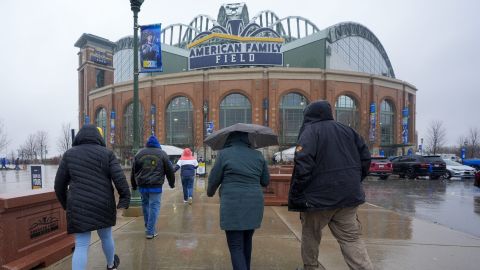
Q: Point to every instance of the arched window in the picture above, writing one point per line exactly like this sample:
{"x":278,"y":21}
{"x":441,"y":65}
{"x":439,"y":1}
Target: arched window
{"x":291,"y":117}
{"x":346,"y":111}
{"x":101,"y":121}
{"x":179,"y":122}
{"x":387,"y":122}
{"x":128,"y":124}
{"x":235,"y":108}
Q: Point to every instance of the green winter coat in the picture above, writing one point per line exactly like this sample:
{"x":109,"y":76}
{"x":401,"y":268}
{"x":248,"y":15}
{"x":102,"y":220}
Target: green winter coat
{"x":240,"y":171}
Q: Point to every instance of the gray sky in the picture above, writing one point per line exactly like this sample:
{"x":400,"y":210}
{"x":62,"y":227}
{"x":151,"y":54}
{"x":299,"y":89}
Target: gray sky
{"x":432,"y":44}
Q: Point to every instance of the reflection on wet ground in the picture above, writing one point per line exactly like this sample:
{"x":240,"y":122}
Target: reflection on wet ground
{"x":398,"y":227}
{"x":452,"y":203}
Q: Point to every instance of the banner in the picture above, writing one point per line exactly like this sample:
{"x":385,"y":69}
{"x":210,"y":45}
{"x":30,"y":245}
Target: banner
{"x":373,"y":122}
{"x":36,"y":174}
{"x":153,"y":110}
{"x":112,"y":127}
{"x":405,"y":125}
{"x":150,"y":48}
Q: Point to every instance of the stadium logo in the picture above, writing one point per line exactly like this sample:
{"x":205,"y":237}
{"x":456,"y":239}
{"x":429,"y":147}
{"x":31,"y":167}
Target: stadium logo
{"x":234,"y":45}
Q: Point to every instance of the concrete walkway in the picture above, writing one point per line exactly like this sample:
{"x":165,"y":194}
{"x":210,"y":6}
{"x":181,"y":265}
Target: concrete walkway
{"x":190,"y":238}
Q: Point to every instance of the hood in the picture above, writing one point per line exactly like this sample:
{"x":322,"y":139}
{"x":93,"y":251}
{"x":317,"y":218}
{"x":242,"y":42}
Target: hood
{"x":187,"y":154}
{"x":317,"y":111}
{"x":88,"y":134}
{"x":152,"y":142}
{"x":237,"y":138}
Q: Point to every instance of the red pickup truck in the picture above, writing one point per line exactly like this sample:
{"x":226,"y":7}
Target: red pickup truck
{"x":381,"y":167}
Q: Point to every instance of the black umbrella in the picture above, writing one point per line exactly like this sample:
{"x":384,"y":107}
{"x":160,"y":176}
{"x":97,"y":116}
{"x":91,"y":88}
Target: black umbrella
{"x":258,"y":136}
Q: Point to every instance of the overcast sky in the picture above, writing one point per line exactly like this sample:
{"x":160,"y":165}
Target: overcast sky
{"x":432,"y":44}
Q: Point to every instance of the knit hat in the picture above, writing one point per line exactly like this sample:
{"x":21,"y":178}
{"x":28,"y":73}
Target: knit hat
{"x":187,"y":154}
{"x":153,"y":142}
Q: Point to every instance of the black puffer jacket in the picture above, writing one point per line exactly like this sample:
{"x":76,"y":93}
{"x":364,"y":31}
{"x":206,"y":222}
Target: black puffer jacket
{"x":331,"y":161}
{"x":150,"y":167}
{"x":83,"y":183}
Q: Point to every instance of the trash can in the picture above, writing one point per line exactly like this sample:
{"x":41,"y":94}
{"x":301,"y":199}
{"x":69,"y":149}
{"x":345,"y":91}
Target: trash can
{"x":33,"y":230}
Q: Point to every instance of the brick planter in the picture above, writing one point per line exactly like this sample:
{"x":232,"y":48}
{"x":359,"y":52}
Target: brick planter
{"x":33,"y":230}
{"x":276,"y":193}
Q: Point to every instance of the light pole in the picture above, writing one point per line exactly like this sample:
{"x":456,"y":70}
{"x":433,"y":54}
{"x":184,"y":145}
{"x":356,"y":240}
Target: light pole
{"x":135,"y":7}
{"x":135,"y":199}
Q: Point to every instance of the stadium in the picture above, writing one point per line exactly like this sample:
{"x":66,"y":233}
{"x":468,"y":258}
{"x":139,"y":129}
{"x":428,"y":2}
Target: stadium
{"x":262,"y":69}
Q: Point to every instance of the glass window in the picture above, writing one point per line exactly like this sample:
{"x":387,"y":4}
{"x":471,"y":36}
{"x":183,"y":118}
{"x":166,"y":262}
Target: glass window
{"x":387,"y":122}
{"x":128,"y":126}
{"x":291,"y":117}
{"x":235,"y":108}
{"x":100,"y":78}
{"x":101,"y":121}
{"x":346,"y":111}
{"x":179,"y":122}
{"x":357,"y":54}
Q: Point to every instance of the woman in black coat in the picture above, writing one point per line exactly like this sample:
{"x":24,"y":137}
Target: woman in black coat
{"x":83,"y":186}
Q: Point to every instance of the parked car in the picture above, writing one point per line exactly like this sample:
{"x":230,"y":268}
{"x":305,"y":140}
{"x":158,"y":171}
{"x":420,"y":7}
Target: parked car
{"x":413,"y":166}
{"x":455,"y":169}
{"x":381,"y":167}
{"x":438,"y":167}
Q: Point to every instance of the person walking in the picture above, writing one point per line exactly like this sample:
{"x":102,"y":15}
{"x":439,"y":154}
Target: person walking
{"x":240,"y":171}
{"x":149,"y":168}
{"x":187,"y":165}
{"x":4,"y":163}
{"x":83,"y":186}
{"x":331,"y":161}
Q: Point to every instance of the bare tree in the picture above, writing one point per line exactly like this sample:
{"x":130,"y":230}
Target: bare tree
{"x":30,"y":147}
{"x":41,"y":139}
{"x":473,"y":141}
{"x":436,"y":136}
{"x":64,"y":142}
{"x":12,"y":157}
{"x":3,"y":136}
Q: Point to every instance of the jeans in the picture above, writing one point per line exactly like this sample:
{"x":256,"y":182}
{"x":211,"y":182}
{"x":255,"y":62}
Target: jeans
{"x":82,"y":243}
{"x":151,"y":210}
{"x":187,"y":185}
{"x":240,"y":246}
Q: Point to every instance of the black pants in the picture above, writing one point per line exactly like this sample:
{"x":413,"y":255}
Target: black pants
{"x":240,"y":246}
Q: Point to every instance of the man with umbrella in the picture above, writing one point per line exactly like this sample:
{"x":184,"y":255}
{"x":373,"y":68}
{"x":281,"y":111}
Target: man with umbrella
{"x":241,"y":172}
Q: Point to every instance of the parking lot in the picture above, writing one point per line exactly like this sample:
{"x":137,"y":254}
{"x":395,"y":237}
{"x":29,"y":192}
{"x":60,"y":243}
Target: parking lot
{"x":452,"y":203}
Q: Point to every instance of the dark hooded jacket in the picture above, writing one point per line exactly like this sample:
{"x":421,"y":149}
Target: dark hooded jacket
{"x":331,"y":160}
{"x":150,"y":166}
{"x":240,"y":172}
{"x":83,"y":183}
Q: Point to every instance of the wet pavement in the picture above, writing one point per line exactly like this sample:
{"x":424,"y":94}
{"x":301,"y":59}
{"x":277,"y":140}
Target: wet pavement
{"x":406,"y":224}
{"x":452,"y":203}
{"x":190,"y":237}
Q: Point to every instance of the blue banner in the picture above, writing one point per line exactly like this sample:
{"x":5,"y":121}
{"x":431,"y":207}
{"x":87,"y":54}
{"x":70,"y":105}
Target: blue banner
{"x":112,"y":127}
{"x":405,"y":125}
{"x":373,"y":122}
{"x":153,"y":110}
{"x":150,"y":48}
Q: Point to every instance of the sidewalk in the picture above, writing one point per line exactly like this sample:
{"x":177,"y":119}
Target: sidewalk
{"x":190,"y":238}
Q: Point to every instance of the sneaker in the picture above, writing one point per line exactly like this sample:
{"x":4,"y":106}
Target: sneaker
{"x":116,"y":263}
{"x":151,"y":236}
{"x":185,"y":201}
{"x":190,"y":200}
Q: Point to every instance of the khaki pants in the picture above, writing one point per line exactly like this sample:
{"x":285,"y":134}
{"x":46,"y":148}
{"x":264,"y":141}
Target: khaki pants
{"x":345,"y":228}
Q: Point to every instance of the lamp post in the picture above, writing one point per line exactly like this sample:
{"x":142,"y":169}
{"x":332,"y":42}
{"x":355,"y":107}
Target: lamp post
{"x":135,"y":7}
{"x":135,"y":200}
